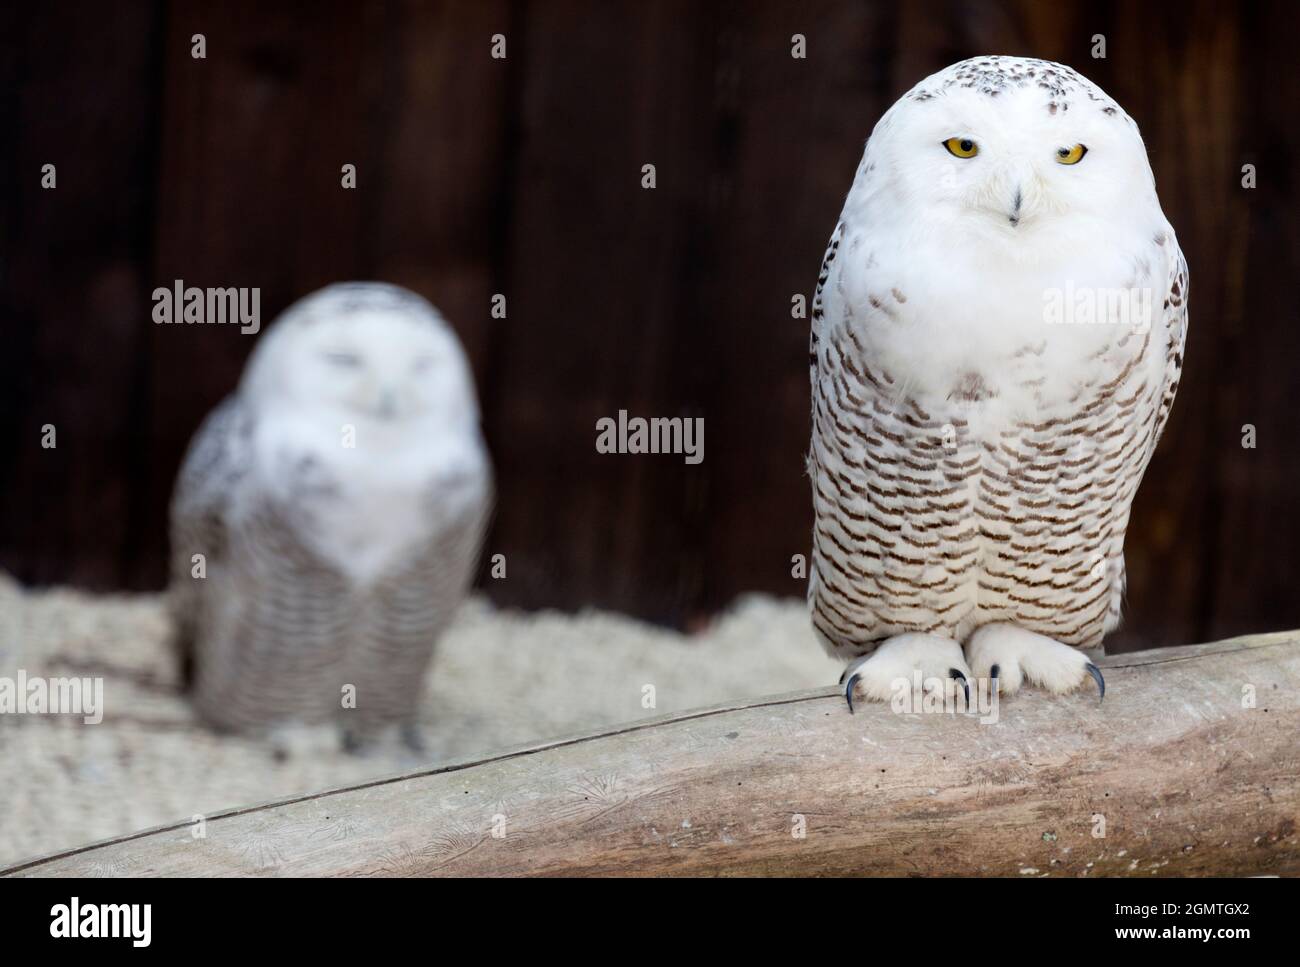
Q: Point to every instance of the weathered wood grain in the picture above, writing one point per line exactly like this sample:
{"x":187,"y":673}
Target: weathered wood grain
{"x":1181,"y":774}
{"x":81,"y":93}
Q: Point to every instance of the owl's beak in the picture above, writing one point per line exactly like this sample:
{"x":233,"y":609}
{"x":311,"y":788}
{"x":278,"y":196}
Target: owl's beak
{"x":1014,"y":216}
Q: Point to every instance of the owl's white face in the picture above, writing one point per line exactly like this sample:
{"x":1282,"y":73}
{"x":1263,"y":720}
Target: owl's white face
{"x":381,"y":366}
{"x":350,"y":359}
{"x":1029,"y":163}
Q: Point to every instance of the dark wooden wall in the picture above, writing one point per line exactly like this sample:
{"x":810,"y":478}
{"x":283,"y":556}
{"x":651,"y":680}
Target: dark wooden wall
{"x":522,"y":176}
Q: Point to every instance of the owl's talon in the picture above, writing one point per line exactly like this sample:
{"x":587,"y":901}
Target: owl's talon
{"x":1095,"y":672}
{"x":965,"y":684}
{"x":848,"y":688}
{"x":1010,"y":656}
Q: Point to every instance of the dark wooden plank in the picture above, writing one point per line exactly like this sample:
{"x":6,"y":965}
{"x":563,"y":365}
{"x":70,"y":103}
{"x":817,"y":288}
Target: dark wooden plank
{"x":599,"y":319}
{"x":438,"y":224}
{"x":1181,"y":92}
{"x":82,"y":89}
{"x":1253,"y":566}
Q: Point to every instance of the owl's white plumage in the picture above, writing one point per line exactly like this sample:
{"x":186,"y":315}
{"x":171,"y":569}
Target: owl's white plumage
{"x":974,"y":457}
{"x":338,"y":498}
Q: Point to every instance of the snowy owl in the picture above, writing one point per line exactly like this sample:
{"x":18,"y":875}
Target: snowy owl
{"x":327,"y":517}
{"x":997,"y":335}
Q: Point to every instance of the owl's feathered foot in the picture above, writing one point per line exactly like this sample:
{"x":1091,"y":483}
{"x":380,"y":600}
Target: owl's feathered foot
{"x":1010,"y":656}
{"x":358,"y":741}
{"x":876,"y":676}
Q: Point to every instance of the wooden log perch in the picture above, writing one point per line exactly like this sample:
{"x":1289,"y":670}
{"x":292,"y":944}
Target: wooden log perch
{"x":1178,"y":772}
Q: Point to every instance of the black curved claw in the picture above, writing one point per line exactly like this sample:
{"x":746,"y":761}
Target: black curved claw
{"x":965,"y":685}
{"x":848,"y":690}
{"x":993,"y":679}
{"x":1095,"y":672}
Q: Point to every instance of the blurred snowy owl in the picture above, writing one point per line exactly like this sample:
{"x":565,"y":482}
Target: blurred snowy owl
{"x":328,"y":516}
{"x":996,"y":343}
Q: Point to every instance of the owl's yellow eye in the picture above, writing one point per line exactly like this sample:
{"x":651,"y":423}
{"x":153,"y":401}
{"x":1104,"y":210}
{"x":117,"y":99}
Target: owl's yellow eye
{"x":962,"y":147}
{"x":1070,"y":156}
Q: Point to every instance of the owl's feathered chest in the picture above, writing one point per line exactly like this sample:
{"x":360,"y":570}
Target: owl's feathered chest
{"x":973,"y":458}
{"x":942,"y":516}
{"x":364,"y":507}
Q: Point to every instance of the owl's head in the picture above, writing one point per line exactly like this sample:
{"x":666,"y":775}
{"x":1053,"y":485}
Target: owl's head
{"x":365,"y":352}
{"x":1009,"y":148}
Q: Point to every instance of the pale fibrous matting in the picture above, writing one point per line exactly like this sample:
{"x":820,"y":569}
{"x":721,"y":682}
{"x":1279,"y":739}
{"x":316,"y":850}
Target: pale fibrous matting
{"x":328,"y":516}
{"x":997,"y":335}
